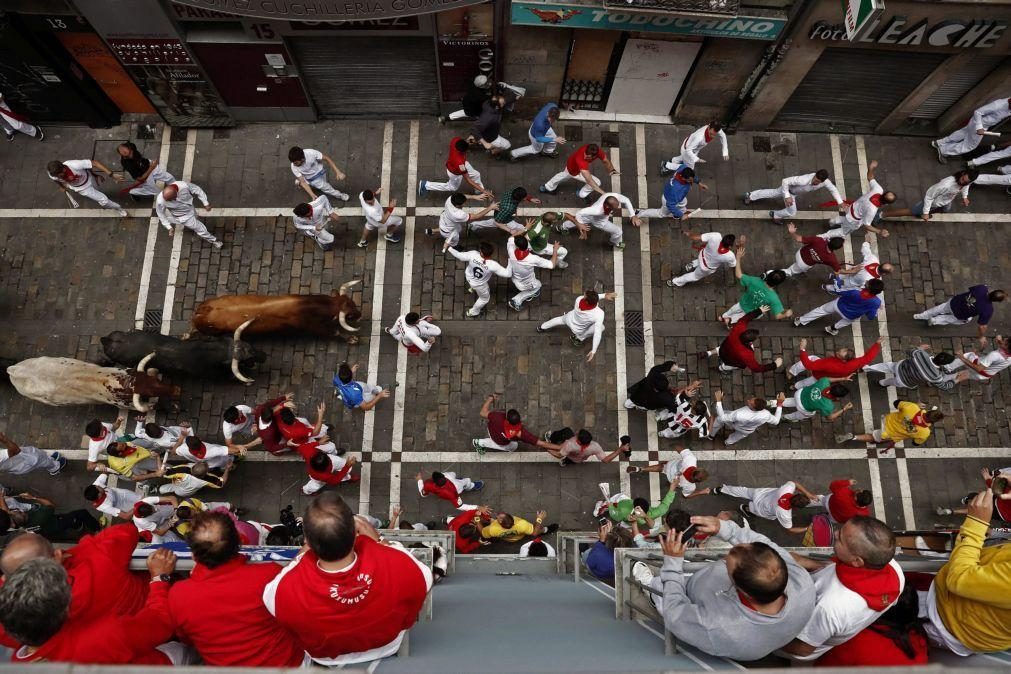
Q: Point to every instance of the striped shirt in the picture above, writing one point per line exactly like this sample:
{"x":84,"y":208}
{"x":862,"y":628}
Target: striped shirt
{"x":920,"y":368}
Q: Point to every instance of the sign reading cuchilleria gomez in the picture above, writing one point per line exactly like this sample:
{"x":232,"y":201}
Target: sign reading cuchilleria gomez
{"x":328,"y":10}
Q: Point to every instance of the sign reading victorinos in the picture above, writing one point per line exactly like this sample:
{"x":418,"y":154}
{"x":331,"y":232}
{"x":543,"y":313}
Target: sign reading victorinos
{"x":327,"y":10}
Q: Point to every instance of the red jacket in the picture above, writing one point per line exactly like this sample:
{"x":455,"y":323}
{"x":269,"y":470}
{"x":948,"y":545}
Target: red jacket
{"x":831,"y":366}
{"x":363,"y":607}
{"x":98,"y":639}
{"x":870,"y":648}
{"x":220,"y":612}
{"x":271,"y":436}
{"x":298,"y":431}
{"x":446,"y":492}
{"x":307,"y":450}
{"x":735,"y":353}
{"x":843,"y":505}
{"x":464,"y":545}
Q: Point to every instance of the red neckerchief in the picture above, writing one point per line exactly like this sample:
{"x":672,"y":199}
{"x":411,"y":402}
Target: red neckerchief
{"x":200,"y":452}
{"x":511,"y":430}
{"x":680,"y":179}
{"x":310,"y":212}
{"x":68,"y":175}
{"x":100,"y":500}
{"x":876,"y":199}
{"x":920,"y":420}
{"x":878,"y":587}
{"x":130,"y":449}
{"x":784,"y":502}
{"x":827,"y":393}
{"x":607,"y":209}
{"x":241,"y":419}
{"x":521,"y":254}
{"x":709,"y":134}
{"x":105,"y":432}
{"x":689,"y":473}
{"x":872,"y":269}
{"x":722,"y":250}
{"x":744,"y":600}
{"x":584,"y":305}
{"x":866,"y":295}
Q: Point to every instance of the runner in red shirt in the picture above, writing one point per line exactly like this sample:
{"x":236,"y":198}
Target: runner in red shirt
{"x":48,"y":635}
{"x":98,"y":568}
{"x":577,"y":167}
{"x":447,"y":486}
{"x":267,"y":429}
{"x":467,"y":526}
{"x":297,"y":430}
{"x":844,"y":502}
{"x":505,"y":431}
{"x":816,"y":250}
{"x":458,"y":169}
{"x":350,"y":597}
{"x":839,"y":365}
{"x":325,"y":467}
{"x":219,"y":610}
{"x":738,"y":350}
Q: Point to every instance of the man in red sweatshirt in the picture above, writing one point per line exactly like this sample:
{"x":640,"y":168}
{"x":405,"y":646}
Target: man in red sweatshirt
{"x":448,"y":487}
{"x":351,"y":597}
{"x":467,"y":527}
{"x":35,"y":604}
{"x":98,"y":567}
{"x":843,"y":502}
{"x":840,"y":364}
{"x":326,"y":465}
{"x":267,"y":429}
{"x":738,"y":350}
{"x":219,"y":610}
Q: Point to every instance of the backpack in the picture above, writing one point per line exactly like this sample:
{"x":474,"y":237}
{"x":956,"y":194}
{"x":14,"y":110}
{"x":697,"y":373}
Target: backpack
{"x":351,"y":393}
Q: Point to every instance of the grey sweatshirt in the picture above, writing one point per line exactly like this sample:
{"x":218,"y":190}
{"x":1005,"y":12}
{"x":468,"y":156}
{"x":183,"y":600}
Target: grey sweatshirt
{"x":706,"y":612}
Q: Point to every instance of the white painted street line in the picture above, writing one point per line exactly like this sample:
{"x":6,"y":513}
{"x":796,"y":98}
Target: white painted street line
{"x":905,"y":490}
{"x":867,"y":413}
{"x":177,"y":240}
{"x":619,"y":323}
{"x":152,"y":238}
{"x":649,"y":349}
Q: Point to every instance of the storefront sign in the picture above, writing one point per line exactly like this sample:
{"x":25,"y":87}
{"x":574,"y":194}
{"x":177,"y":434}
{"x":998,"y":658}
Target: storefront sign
{"x":395,"y":23}
{"x":328,"y":10}
{"x":858,"y":15}
{"x":898,"y":30}
{"x":588,"y":16}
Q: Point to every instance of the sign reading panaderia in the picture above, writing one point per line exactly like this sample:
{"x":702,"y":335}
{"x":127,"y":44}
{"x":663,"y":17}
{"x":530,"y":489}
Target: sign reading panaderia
{"x":327,"y":10}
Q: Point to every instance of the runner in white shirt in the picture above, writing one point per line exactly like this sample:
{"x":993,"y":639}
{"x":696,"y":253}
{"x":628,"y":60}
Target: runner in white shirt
{"x":308,"y":169}
{"x":970,"y":366}
{"x":940,"y":196}
{"x":600,"y":214}
{"x":791,"y":187}
{"x":585,"y":319}
{"x":773,"y":503}
{"x":156,"y":526}
{"x":417,"y":333}
{"x":744,"y":420}
{"x":312,"y":219}
{"x":717,"y":251}
{"x":185,"y":481}
{"x":522,"y":265}
{"x":682,"y":469}
{"x":10,"y":122}
{"x":239,"y":420}
{"x":161,"y":438}
{"x":453,"y":217}
{"x":174,"y":206}
{"x":75,"y":175}
{"x":479,"y":271}
{"x":857,"y":276}
{"x":693,"y":145}
{"x":115,"y":502}
{"x":862,"y":211}
{"x":691,"y":414}
{"x":377,"y":217}
{"x":100,"y":436}
{"x":967,"y":138}
{"x":194,"y":450}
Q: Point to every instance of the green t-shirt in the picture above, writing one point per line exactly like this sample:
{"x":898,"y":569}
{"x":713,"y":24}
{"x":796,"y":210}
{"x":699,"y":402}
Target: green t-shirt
{"x":814,"y":401}
{"x":539,"y":233}
{"x":757,"y":294}
{"x":42,"y":520}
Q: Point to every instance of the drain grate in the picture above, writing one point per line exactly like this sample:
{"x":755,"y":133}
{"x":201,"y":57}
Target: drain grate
{"x":152,"y":320}
{"x":609,"y":139}
{"x":634,"y":335}
{"x":761,"y":144}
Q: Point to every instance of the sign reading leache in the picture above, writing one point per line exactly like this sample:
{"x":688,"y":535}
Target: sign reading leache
{"x":584,"y":16}
{"x":328,"y":10}
{"x":898,"y":30}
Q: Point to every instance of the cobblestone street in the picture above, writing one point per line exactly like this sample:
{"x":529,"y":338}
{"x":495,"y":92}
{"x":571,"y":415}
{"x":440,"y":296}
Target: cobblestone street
{"x":71,"y":277}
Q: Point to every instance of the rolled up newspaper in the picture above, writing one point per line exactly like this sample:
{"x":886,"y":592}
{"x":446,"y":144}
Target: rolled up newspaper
{"x":605,"y":489}
{"x":991,"y":133}
{"x":73,"y":202}
{"x":690,"y":214}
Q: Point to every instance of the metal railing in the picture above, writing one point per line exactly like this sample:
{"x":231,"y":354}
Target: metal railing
{"x":444,"y":539}
{"x":567,"y":548}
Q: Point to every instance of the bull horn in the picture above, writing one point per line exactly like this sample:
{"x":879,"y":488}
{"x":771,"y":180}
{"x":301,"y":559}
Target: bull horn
{"x":144,"y":361}
{"x":238,"y":330}
{"x":238,"y":374}
{"x":347,"y":286}
{"x":138,"y":405}
{"x":342,"y":319}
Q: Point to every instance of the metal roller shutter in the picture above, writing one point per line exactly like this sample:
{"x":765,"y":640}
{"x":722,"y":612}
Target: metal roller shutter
{"x":369,"y":77}
{"x":855,"y":89}
{"x":957,"y":86}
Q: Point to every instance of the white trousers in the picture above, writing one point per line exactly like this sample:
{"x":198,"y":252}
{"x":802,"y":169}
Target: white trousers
{"x":150,"y":188}
{"x":734,"y":437}
{"x":314,"y":485}
{"x":1002,"y":177}
{"x":798,"y":267}
{"x":454,"y":182}
{"x":483,"y":293}
{"x":191,"y":223}
{"x":547,"y":252}
{"x":961,"y":141}
{"x":663,"y":211}
{"x":392,"y":221}
{"x":28,"y":460}
{"x":699,"y":271}
{"x":457,"y":115}
{"x":958,"y":364}
{"x":92,"y":192}
{"x":891,"y":370}
{"x":746,"y":493}
{"x":489,"y":223}
{"x":564,"y":175}
{"x":321,"y":184}
{"x":942,"y":315}
{"x":462,"y":484}
{"x":604,"y":224}
{"x":801,"y":413}
{"x":536,"y":147}
{"x":581,"y":335}
{"x":827,"y":309}
{"x":488,"y":443}
{"x":796,"y":369}
{"x":501,"y":143}
{"x":322,"y":236}
{"x":785,"y":212}
{"x":844,"y":226}
{"x":734,"y":313}
{"x":990,"y":156}
{"x":529,"y":288}
{"x":425,"y":330}
{"x":10,"y":125}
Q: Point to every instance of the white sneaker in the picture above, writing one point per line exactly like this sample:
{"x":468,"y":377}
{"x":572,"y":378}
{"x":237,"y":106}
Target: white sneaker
{"x":122,"y":213}
{"x":920,"y":317}
{"x":344,"y":197}
{"x":217,"y":244}
{"x":941,"y":510}
{"x":642,"y":573}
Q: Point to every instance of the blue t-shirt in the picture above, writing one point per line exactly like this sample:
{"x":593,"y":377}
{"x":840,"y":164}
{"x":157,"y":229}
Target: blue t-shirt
{"x":351,"y":393}
{"x":542,"y":124}
{"x":674,"y":191}
{"x":976,"y":302}
{"x":600,"y":561}
{"x":852,"y":304}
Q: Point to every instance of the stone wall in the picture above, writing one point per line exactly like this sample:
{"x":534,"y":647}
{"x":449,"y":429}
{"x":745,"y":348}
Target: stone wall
{"x":535,"y":58}
{"x":720,"y":72}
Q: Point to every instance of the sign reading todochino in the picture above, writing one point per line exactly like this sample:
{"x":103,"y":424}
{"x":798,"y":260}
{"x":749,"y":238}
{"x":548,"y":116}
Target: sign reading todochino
{"x":327,"y":10}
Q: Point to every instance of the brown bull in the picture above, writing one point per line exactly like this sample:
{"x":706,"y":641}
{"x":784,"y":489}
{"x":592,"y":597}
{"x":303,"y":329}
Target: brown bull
{"x":320,"y":315}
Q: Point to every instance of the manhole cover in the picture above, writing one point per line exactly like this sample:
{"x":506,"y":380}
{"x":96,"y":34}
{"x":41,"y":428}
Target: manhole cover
{"x":634,"y":335}
{"x":152,"y":320}
{"x":761,"y":144}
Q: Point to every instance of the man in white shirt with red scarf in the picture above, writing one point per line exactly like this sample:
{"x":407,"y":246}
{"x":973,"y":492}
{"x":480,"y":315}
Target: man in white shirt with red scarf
{"x":585,"y":319}
{"x":694,"y":144}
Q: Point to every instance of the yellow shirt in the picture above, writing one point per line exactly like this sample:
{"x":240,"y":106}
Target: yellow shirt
{"x":519,"y":529}
{"x":124,"y":465}
{"x":196,"y":505}
{"x":899,"y":425}
{"x":972,"y":591}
